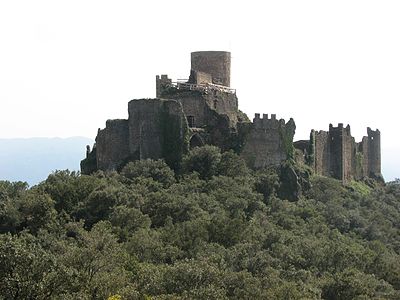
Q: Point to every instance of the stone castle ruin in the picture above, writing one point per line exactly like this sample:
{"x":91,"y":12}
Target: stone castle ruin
{"x":204,"y":110}
{"x":335,"y":153}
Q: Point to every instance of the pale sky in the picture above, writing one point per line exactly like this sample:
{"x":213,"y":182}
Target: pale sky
{"x":68,"y":66}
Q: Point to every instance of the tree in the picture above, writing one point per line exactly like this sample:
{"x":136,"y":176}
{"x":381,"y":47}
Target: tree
{"x":232,"y":165}
{"x":203,"y":160}
{"x":158,"y":170}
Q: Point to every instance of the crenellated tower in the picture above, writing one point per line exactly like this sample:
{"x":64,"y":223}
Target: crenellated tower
{"x":335,"y":154}
{"x":269,"y":141}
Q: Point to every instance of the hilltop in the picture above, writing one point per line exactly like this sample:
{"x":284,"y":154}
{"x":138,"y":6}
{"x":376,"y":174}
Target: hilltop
{"x":216,"y":230}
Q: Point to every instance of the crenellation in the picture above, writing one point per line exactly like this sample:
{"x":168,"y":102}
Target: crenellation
{"x":266,"y":144}
{"x":162,"y":83}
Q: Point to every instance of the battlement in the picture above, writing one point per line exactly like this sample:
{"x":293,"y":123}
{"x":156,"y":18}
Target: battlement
{"x":373,"y":134}
{"x":267,"y":123}
{"x":340,"y":129}
{"x":162,"y":82}
{"x":269,"y":141}
{"x":265,"y":117}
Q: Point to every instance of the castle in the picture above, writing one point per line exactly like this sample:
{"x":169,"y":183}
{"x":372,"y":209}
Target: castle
{"x":204,"y":110}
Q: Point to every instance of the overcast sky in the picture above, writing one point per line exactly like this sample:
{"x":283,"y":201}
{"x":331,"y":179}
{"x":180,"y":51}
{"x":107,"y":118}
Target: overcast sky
{"x":68,"y":66}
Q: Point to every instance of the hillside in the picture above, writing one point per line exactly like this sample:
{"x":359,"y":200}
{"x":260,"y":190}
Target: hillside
{"x":32,"y":159}
{"x":215,"y":230}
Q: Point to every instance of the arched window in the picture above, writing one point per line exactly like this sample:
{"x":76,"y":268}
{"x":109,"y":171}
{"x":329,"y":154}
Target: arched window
{"x":196,"y":141}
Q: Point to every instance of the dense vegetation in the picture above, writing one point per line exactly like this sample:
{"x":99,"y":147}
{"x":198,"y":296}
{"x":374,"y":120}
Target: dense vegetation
{"x":214,"y":231}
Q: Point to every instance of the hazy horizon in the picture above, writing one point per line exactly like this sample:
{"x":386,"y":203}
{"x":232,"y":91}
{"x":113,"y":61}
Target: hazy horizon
{"x":33,"y":159}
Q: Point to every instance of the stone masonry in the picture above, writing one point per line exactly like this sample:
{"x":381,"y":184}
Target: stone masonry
{"x":335,"y":153}
{"x":269,"y":142}
{"x":156,"y":128}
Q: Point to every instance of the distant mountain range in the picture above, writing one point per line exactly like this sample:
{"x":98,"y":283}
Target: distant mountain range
{"x":33,"y":159}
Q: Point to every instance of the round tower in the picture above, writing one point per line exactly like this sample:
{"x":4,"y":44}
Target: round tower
{"x":215,"y":63}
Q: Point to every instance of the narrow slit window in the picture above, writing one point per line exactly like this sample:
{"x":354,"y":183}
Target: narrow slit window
{"x":190,"y":120}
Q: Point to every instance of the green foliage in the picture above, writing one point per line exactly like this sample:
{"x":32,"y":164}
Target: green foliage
{"x":213,"y":231}
{"x":68,"y":189}
{"x":286,"y":133}
{"x":232,"y":165}
{"x":158,"y":170}
{"x":267,"y":183}
{"x":208,"y":161}
{"x":203,"y":160}
{"x":360,"y":188}
{"x":29,"y":210}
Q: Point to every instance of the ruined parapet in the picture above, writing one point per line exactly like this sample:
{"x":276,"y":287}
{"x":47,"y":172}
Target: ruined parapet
{"x":162,"y":83}
{"x":215,"y":63}
{"x":370,"y":155}
{"x":269,"y":142}
{"x":112,"y":147}
{"x":374,"y":155}
{"x":336,"y":154}
{"x":342,"y":151}
{"x":302,"y":151}
{"x":89,"y":164}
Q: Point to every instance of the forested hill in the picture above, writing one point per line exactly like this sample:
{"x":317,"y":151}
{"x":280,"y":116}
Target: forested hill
{"x":213,"y":231}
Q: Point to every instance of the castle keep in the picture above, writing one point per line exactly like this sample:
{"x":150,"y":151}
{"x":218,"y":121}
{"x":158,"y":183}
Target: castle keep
{"x":204,"y":110}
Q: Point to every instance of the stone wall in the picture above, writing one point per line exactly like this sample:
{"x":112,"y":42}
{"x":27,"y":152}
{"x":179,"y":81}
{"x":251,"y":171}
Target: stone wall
{"x":269,"y":142}
{"x":216,"y":63}
{"x":202,"y":106}
{"x":336,"y":154}
{"x":198,"y":77}
{"x":193,"y":104}
{"x":112,"y":147}
{"x":144,"y":128}
{"x":371,"y":154}
{"x":342,"y":153}
{"x":161,"y":83}
{"x":156,"y":128}
{"x":321,"y":153}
